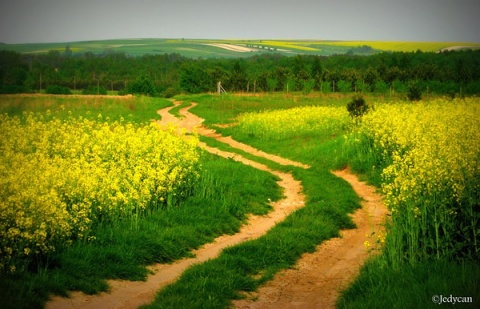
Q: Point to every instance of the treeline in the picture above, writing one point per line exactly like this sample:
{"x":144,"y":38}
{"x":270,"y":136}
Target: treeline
{"x":448,"y":73}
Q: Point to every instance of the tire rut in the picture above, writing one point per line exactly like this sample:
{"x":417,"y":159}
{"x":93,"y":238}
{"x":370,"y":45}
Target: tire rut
{"x":132,"y":294}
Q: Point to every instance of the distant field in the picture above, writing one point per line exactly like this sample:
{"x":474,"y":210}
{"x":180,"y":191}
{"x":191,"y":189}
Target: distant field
{"x":235,"y":48}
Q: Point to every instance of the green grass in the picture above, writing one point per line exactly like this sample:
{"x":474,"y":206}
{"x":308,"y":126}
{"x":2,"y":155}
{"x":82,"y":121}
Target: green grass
{"x":176,"y":110}
{"x":226,"y":192}
{"x":199,"y":48}
{"x":133,"y":109}
{"x":218,"y":206}
{"x":223,"y":109}
{"x":379,"y":286}
{"x":246,"y":266}
{"x":234,"y":190}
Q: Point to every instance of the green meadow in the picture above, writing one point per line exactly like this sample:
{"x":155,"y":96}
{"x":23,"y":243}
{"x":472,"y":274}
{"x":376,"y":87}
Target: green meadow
{"x":322,"y":135}
{"x":195,"y":48}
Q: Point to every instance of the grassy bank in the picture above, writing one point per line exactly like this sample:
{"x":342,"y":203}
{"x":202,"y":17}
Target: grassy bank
{"x":322,"y":136}
{"x":409,"y":285}
{"x":246,"y":266}
{"x":136,"y":109}
{"x":217,"y":204}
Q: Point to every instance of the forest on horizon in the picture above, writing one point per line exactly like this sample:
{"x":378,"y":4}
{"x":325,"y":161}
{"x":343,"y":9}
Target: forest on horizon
{"x":445,"y":73}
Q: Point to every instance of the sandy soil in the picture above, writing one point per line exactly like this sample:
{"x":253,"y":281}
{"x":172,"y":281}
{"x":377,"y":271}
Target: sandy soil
{"x":235,"y":48}
{"x":457,"y":47}
{"x":314,"y":282}
{"x":317,"y":278}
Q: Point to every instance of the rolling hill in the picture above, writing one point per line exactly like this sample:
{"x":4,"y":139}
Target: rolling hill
{"x":208,"y":48}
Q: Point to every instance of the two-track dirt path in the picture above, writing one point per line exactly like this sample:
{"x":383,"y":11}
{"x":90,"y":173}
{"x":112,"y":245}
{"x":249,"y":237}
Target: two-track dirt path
{"x":317,"y":278}
{"x":127,"y":294}
{"x":313,"y":283}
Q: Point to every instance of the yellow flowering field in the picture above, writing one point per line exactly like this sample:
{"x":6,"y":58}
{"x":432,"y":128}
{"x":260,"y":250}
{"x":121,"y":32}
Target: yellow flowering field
{"x":287,"y":123}
{"x":58,"y":178}
{"x":432,"y":181}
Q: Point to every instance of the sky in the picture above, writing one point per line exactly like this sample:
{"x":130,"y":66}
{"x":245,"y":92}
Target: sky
{"x":42,"y":21}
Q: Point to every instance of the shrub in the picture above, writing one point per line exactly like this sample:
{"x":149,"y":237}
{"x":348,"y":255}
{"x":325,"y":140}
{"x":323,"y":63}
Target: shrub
{"x":143,"y":85}
{"x":357,"y":107}
{"x":8,"y":89}
{"x":414,"y":93}
{"x":55,"y":89}
{"x":95,"y":90}
{"x":169,"y":92}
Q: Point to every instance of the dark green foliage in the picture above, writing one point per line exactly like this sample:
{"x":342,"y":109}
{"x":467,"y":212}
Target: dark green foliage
{"x":194,"y":79}
{"x":95,"y":90}
{"x":357,"y":107}
{"x":55,"y":89}
{"x":414,"y":92}
{"x":379,"y":286}
{"x":169,"y":92}
{"x":9,"y":89}
{"x":445,"y":73}
{"x":13,"y":73}
{"x":143,"y":85}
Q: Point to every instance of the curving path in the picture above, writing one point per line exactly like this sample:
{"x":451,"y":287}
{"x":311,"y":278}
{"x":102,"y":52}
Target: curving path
{"x":132,"y":294}
{"x":316,"y":279}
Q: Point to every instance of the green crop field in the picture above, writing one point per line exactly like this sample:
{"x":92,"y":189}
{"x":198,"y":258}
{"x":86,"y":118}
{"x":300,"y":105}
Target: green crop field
{"x":209,"y":48}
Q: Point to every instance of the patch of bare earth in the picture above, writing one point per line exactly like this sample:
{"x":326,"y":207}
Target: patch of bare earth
{"x":317,"y":278}
{"x":128,"y":294}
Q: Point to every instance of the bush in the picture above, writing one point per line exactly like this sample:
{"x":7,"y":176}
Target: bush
{"x":143,"y":85}
{"x":95,"y":90}
{"x":55,"y":89}
{"x":357,"y":107}
{"x":414,"y":93}
{"x":8,"y":89}
{"x":169,"y":92}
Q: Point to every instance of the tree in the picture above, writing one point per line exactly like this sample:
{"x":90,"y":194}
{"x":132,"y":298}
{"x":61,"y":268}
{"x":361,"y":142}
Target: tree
{"x":414,"y":92}
{"x":193,"y":79}
{"x":370,"y":77}
{"x":238,"y":77}
{"x":299,"y":71}
{"x":357,"y":107}
{"x":143,"y":85}
{"x":13,"y":73}
{"x":316,"y":73}
{"x":281,"y":75}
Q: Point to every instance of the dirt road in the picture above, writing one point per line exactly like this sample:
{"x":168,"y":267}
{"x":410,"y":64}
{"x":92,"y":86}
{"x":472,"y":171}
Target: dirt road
{"x":317,"y":278}
{"x":313,"y":283}
{"x":127,"y":294}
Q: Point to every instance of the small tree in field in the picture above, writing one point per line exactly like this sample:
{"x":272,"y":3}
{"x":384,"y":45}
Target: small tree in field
{"x":414,"y":92}
{"x":143,"y":85}
{"x":357,"y":107}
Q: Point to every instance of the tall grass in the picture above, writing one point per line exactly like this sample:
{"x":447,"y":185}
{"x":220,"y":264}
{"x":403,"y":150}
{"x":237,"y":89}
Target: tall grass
{"x":329,"y":199}
{"x":413,"y":286}
{"x":130,"y":108}
{"x":425,"y":157}
{"x":216,"y":203}
{"x":244,"y":267}
{"x":429,"y":163}
{"x":398,"y":277}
